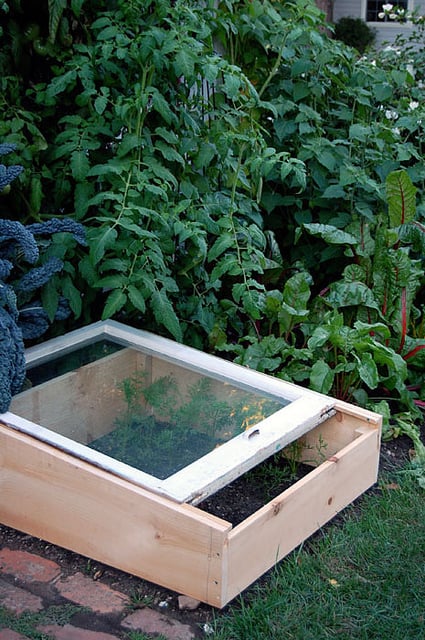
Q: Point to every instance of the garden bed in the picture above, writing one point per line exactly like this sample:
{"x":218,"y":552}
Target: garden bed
{"x":74,"y":487}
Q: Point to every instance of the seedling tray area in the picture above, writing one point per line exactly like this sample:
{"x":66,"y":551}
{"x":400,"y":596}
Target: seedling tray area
{"x":122,"y":440}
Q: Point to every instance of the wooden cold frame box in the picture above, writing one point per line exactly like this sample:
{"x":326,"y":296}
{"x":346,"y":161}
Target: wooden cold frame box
{"x":55,"y":486}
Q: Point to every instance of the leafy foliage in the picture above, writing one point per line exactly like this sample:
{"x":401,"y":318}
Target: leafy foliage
{"x":248,"y":183}
{"x":30,"y":266}
{"x":354,"y":32}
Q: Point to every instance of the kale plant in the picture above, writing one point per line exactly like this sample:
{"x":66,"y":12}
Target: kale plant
{"x":29,"y":262}
{"x":7,"y":174}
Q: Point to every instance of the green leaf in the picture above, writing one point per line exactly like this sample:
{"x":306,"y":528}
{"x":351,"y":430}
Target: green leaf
{"x":330,"y":234}
{"x":359,"y":132}
{"x":114,"y":281}
{"x":169,"y":153}
{"x":102,"y":242}
{"x":109,"y":33}
{"x":300,"y":173}
{"x":204,"y":156}
{"x":73,"y":295}
{"x":251,"y":301}
{"x":300,"y":90}
{"x":56,"y":8}
{"x":231,"y":86}
{"x":100,"y":104}
{"x":229,"y":264}
{"x":50,"y":298}
{"x":401,"y":197}
{"x":36,"y":195}
{"x":346,"y":294}
{"x":184,"y":63}
{"x":82,"y":193}
{"x":160,"y":104}
{"x":400,"y":77}
{"x":264,"y":355}
{"x":334,"y":191}
{"x":169,"y":136}
{"x":100,"y":23}
{"x":165,"y":314}
{"x":319,"y":337}
{"x":367,"y":329}
{"x":60,"y":83}
{"x":383,"y":92}
{"x":285,"y":170}
{"x":160,"y":171}
{"x":114,"y":303}
{"x":328,"y":160}
{"x":79,"y":165}
{"x":368,"y":371}
{"x":114,"y":264}
{"x":222,"y":243}
{"x":87,"y":271}
{"x":296,"y":294}
{"x":321,"y":377}
{"x":300,"y":66}
{"x":76,"y":6}
{"x":129,"y":142}
{"x":136,"y":298}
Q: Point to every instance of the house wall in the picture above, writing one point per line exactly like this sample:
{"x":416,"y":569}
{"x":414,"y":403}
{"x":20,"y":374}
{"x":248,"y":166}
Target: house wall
{"x":385,"y":32}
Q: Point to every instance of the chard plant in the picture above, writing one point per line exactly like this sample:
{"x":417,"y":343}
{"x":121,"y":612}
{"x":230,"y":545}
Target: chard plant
{"x":357,"y":340}
{"x":377,"y":293}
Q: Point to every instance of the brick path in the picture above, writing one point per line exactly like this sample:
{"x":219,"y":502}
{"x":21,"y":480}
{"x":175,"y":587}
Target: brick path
{"x":30,"y":583}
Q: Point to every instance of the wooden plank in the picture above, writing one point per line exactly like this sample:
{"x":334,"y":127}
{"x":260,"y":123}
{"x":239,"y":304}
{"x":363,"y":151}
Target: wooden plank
{"x":276,"y":529}
{"x":66,"y":343}
{"x":227,"y":462}
{"x":89,"y":397}
{"x":333,"y":434}
{"x":53,"y":496}
{"x":359,"y":414}
{"x":205,"y":363}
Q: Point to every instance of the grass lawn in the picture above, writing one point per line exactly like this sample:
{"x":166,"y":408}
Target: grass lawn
{"x":363,"y":580}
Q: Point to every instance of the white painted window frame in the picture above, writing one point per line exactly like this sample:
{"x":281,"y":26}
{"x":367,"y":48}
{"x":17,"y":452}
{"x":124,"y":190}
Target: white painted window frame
{"x":306,"y":409}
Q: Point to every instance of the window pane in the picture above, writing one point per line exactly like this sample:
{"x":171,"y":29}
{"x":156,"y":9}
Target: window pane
{"x":374,"y":7}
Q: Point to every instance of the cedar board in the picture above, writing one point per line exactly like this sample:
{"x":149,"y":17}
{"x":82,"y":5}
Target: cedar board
{"x":55,"y":496}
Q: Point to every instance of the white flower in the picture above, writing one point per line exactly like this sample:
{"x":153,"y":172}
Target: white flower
{"x":413,"y":105}
{"x":390,"y":114}
{"x":387,"y":7}
{"x":381,"y":15}
{"x":396,"y":131}
{"x":393,"y":16}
